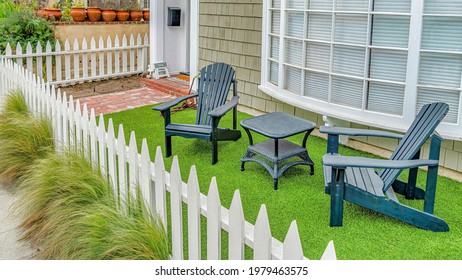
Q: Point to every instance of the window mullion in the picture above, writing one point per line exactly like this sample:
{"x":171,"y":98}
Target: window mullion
{"x":413,"y":59}
{"x":367,"y":59}
{"x":265,"y":42}
{"x":331,"y":66}
{"x":282,"y":47}
{"x":304,"y":44}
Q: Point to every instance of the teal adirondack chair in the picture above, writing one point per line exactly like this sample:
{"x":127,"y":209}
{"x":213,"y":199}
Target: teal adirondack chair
{"x":355,"y":179}
{"x":213,"y":86}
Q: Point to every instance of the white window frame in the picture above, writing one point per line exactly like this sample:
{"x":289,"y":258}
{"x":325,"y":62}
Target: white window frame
{"x":375,"y":119}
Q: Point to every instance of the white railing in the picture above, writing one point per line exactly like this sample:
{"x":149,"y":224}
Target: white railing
{"x":83,"y":62}
{"x":73,"y":127}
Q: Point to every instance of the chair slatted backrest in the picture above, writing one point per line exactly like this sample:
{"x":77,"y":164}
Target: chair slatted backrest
{"x":214,"y":83}
{"x":420,"y":130}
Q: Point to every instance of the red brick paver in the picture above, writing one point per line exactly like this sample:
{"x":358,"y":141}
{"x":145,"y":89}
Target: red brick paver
{"x":177,"y":85}
{"x":119,"y":101}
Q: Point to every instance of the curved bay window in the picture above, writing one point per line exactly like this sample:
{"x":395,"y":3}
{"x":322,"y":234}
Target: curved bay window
{"x":375,"y":62}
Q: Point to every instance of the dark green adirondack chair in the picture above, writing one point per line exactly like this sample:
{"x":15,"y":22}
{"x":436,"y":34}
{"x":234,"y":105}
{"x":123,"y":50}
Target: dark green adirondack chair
{"x":355,"y":179}
{"x":213,"y":86}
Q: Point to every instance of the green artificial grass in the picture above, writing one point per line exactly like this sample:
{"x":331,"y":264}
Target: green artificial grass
{"x":364,"y":235}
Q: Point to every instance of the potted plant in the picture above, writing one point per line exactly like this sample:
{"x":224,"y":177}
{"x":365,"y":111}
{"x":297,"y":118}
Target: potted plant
{"x":94,"y":14}
{"x":146,"y":14}
{"x":53,"y":12}
{"x":123,"y":14}
{"x":78,"y":12}
{"x":108,"y":11}
{"x":135,"y":11}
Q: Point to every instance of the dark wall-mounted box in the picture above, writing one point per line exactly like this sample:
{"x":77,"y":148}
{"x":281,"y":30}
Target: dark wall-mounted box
{"x":174,"y":16}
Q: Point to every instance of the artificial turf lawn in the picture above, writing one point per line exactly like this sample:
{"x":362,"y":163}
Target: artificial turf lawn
{"x":365,"y":234}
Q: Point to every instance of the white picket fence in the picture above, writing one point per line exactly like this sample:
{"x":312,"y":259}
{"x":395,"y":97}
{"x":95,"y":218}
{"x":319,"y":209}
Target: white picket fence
{"x":73,"y":127}
{"x":84,"y":62}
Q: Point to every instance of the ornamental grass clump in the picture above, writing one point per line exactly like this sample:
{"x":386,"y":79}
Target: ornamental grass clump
{"x":23,"y":138}
{"x":55,"y":188}
{"x":71,"y":212}
{"x":105,"y":231}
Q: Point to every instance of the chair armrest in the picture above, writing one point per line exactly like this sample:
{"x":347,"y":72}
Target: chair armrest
{"x":358,"y":132}
{"x":345,"y":161}
{"x":222,"y":110}
{"x":169,"y":104}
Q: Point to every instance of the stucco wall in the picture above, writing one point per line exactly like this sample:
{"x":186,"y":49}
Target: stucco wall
{"x":72,"y":30}
{"x":230,"y":32}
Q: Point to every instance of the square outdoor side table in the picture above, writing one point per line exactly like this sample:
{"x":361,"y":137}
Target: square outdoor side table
{"x":277,"y":154}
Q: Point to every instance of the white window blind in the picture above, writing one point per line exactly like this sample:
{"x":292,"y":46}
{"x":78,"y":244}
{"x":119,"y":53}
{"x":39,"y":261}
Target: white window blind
{"x":352,"y":5}
{"x":318,"y":56}
{"x":351,"y":28}
{"x":321,"y":5}
{"x":349,"y":60}
{"x":347,"y":92}
{"x":440,"y":67}
{"x":296,"y":4}
{"x":295,"y":24}
{"x":319,"y":26}
{"x":397,"y":6}
{"x":316,"y":85}
{"x":293,"y":79}
{"x":390,"y":31}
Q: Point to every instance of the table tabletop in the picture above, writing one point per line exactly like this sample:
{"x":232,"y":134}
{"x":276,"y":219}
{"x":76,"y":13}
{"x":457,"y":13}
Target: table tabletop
{"x":277,"y":125}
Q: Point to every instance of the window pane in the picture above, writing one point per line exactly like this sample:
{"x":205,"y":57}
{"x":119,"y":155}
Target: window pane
{"x":347,"y":92}
{"x":442,"y":33}
{"x":274,"y":47}
{"x":326,"y":5}
{"x":293,"y":79}
{"x":427,"y":95}
{"x":386,"y":98}
{"x":318,"y":56}
{"x":440,"y":69}
{"x":275,"y":22}
{"x":319,"y":26}
{"x":388,"y":65}
{"x":353,"y":5}
{"x":349,"y":60}
{"x":351,"y":29}
{"x":295,"y":22}
{"x":390,"y":31}
{"x":398,"y":6}
{"x":316,"y":85}
{"x":293,"y":51}
{"x":274,"y":72}
{"x":276,"y":4}
{"x":296,"y":4}
{"x":443,"y":7}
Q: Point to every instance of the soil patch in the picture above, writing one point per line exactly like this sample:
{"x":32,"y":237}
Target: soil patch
{"x":102,"y":87}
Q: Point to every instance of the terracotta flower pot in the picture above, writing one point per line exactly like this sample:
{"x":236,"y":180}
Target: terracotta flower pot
{"x":108,"y":15}
{"x":40,"y":12}
{"x":52,"y":14}
{"x":78,"y":14}
{"x":94,"y":14}
{"x":122,"y":15}
{"x":146,"y":15}
{"x":136,"y":15}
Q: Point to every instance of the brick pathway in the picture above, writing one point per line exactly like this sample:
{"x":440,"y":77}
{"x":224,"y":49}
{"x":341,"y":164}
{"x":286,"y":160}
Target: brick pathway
{"x":119,"y":101}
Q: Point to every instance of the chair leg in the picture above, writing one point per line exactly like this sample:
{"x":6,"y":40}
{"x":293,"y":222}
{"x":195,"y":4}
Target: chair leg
{"x":336,"y":197}
{"x":214,"y":151}
{"x":168,"y":146}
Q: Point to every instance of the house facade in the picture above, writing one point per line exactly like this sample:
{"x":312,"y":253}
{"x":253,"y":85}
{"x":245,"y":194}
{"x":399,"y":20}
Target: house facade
{"x":357,"y":63}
